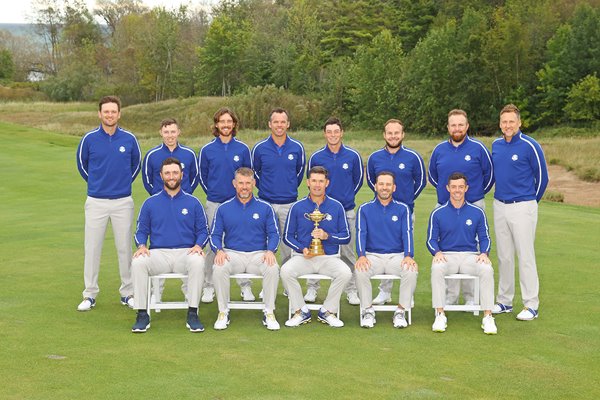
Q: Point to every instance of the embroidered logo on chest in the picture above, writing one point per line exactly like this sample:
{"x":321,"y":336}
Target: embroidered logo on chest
{"x":394,"y":218}
{"x":255,"y":216}
{"x":469,"y":222}
{"x":290,"y":157}
{"x":467,"y":158}
{"x":236,"y":158}
{"x":328,"y":217}
{"x":515,"y":157}
{"x":345,"y":166}
{"x":122,"y":149}
{"x":184,"y":211}
{"x":401,"y":166}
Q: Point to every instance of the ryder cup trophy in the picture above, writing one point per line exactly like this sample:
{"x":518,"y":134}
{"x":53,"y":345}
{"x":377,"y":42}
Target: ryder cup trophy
{"x":316,"y":247}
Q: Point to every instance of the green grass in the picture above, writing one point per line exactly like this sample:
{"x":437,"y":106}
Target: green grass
{"x":50,"y":351}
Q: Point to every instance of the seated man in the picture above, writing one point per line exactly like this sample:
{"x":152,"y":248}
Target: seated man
{"x":459,"y":240}
{"x":176,"y":224}
{"x":384,"y":244}
{"x":332,"y":231}
{"x":244,"y":238}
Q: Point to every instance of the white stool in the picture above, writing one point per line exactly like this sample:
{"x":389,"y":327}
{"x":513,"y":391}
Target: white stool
{"x":475,"y":308}
{"x":154,"y":301}
{"x":393,"y":308}
{"x":312,"y":306}
{"x":245,"y":305}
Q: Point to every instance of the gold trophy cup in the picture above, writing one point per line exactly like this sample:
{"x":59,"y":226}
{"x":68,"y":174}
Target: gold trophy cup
{"x":316,"y":247}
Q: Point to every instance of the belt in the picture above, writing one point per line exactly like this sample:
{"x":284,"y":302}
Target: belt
{"x":511,"y":201}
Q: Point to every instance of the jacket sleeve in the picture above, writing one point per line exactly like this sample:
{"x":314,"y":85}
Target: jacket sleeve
{"x":193,"y":173}
{"x":289,"y":234}
{"x":83,"y":158}
{"x":342,"y":235}
{"x":483,"y":234}
{"x":419,"y":176}
{"x":433,"y":174}
{"x":433,"y":234}
{"x":357,"y":174}
{"x":201,"y":226}
{"x":371,"y":178}
{"x":203,"y":170}
{"x":540,"y":171}
{"x":272,"y":231}
{"x":142,"y":230}
{"x":407,"y":233}
{"x":487,"y":169}
{"x":361,"y":232}
{"x":256,"y":165}
{"x":216,"y":232}
{"x":147,"y":175}
{"x":136,"y":159}
{"x":300,"y":165}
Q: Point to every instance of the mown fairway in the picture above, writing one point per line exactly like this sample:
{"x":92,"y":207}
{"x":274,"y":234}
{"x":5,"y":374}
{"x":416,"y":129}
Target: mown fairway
{"x":50,"y":351}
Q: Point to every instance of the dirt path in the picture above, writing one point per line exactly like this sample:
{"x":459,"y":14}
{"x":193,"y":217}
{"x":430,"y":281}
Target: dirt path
{"x":573,"y":189}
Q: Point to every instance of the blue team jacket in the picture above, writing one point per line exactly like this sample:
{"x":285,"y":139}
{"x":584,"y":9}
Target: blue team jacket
{"x":472,"y":158}
{"x":217,"y":164}
{"x":345,"y":173}
{"x":408,"y":168}
{"x":297,"y":234}
{"x":462,"y":229}
{"x":278,"y":170}
{"x":109,"y":164}
{"x":244,"y":227}
{"x":520,"y":168}
{"x":153,"y":163}
{"x":384,"y":229}
{"x":171,"y":222}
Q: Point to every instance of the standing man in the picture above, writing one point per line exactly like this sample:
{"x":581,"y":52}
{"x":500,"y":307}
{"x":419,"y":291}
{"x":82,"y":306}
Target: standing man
{"x":279,"y":163}
{"x":461,"y":153}
{"x":176,"y":224}
{"x":333,"y":232}
{"x":244,"y":238}
{"x":108,"y":158}
{"x":410,"y":178}
{"x":345,"y":169}
{"x":521,"y":180}
{"x":218,"y":162}
{"x":384,"y":244}
{"x":170,"y":147}
{"x":459,"y":240}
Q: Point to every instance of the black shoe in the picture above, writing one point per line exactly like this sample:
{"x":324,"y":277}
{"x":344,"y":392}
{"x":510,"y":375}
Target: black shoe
{"x":142,"y":322}
{"x":193,"y":323}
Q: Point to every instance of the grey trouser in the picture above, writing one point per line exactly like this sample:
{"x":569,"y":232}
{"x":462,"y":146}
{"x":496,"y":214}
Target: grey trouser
{"x":252,"y":263}
{"x":327,"y":265}
{"x":162,"y":261}
{"x":453,"y":287}
{"x":462,"y":263}
{"x":97,"y":214}
{"x":386,"y":264}
{"x":347,"y":253}
{"x":515,"y":226}
{"x":281,"y":212}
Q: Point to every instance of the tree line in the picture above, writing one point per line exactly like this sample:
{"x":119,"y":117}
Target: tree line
{"x":363,"y":60}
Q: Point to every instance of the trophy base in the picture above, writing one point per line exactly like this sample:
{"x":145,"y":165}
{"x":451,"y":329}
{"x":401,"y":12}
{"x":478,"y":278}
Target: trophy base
{"x":316,"y":248}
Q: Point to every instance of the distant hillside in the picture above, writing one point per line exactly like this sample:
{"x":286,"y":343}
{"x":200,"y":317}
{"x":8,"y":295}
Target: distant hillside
{"x":19,"y":29}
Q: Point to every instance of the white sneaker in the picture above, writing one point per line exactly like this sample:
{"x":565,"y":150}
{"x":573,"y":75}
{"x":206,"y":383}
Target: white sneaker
{"x":440,"y":324}
{"x":87,"y":304}
{"x":247,"y":294}
{"x":222,"y":321}
{"x":298,"y":319}
{"x":330,"y":319}
{"x":353,"y":298}
{"x":367,"y":319}
{"x":270,"y":322}
{"x":399,"y":320}
{"x":382,"y":298}
{"x":311,"y":295}
{"x":527,"y":314}
{"x":208,"y":294}
{"x":489,"y":325}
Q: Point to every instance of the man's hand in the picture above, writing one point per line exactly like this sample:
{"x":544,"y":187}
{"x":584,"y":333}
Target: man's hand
{"x":483,"y":259}
{"x":362,"y":264}
{"x":141,"y":251}
{"x":439,"y":258}
{"x":269,"y":258}
{"x":196,"y":250}
{"x":319,"y":233}
{"x":409,"y":264}
{"x":307,"y":253}
{"x":221,"y":257}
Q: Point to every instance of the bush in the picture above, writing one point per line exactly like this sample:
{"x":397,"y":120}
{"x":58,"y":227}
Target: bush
{"x":21,"y":94}
{"x":583,"y":100}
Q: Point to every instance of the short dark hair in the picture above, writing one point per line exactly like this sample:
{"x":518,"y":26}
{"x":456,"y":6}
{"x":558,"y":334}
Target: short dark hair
{"x":279,"y":110}
{"x":167,"y":122}
{"x":510,"y":108}
{"x":244,"y":171}
{"x":220,"y":112}
{"x":109,"y":99}
{"x":318,"y":170}
{"x":393,"y":121}
{"x":333,"y":121}
{"x":386,"y":173}
{"x":456,"y":176}
{"x":169,"y":161}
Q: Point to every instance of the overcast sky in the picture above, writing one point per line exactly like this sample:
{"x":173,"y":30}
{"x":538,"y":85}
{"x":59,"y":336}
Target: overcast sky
{"x":16,"y":11}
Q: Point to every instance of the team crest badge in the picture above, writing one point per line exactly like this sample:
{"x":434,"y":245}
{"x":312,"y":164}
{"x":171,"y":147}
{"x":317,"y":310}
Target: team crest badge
{"x":515,"y":157}
{"x":236,"y":158}
{"x":469,"y":222}
{"x":394,"y":218}
{"x":184,"y":211}
{"x":122,"y":149}
{"x":290,"y":157}
{"x":328,"y":217}
{"x":345,"y":165}
{"x":401,"y":166}
{"x":467,"y":158}
{"x":255,"y":215}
